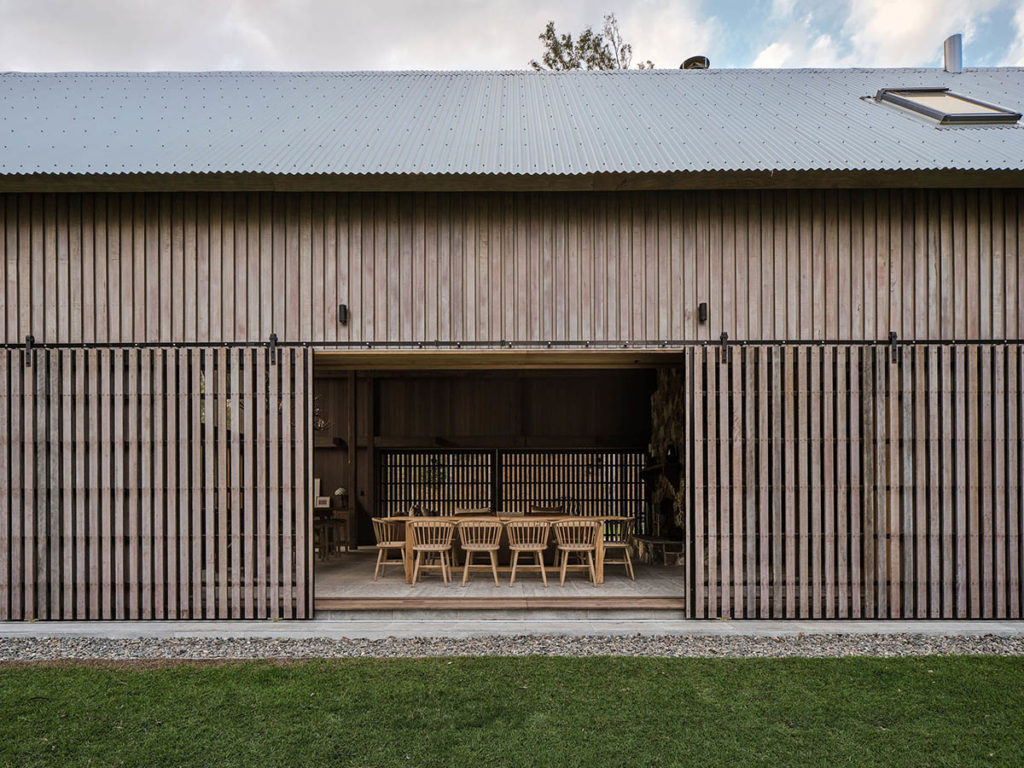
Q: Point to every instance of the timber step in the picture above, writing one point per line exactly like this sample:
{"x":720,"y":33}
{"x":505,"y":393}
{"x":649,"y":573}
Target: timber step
{"x":596,"y":603}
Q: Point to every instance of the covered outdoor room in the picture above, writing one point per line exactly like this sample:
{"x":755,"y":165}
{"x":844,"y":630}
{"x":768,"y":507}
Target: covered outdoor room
{"x":537,"y":470}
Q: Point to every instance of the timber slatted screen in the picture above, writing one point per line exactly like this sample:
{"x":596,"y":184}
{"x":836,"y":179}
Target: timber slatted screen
{"x":829,"y":481}
{"x":154,"y":483}
{"x":584,"y":482}
{"x":436,"y":481}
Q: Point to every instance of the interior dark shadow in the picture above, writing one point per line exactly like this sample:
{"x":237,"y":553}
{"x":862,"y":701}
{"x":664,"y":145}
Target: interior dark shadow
{"x":471,"y":446}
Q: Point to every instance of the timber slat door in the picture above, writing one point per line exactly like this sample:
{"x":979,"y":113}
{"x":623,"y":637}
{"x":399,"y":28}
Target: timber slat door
{"x":866,"y":481}
{"x":120,"y":477}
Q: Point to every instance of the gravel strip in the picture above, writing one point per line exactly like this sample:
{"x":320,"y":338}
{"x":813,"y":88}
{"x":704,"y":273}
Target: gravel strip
{"x":677,"y":646}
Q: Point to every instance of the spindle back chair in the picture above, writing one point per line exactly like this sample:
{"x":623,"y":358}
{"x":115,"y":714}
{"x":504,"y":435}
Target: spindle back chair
{"x":576,"y":536}
{"x":480,"y":536}
{"x":528,"y":537}
{"x":390,"y":535}
{"x":432,"y":538}
{"x":618,"y":538}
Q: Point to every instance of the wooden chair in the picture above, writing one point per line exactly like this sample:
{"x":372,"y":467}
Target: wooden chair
{"x":618,"y":536}
{"x":480,"y":536}
{"x":577,"y":536}
{"x":432,"y":537}
{"x":390,"y":534}
{"x":528,"y":536}
{"x":457,"y":554}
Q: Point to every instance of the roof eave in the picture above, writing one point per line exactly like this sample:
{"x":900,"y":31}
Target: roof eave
{"x":594,"y":182}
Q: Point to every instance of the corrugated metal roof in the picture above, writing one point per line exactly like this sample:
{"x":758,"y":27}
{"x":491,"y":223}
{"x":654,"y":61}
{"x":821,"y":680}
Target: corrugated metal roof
{"x":494,"y":122}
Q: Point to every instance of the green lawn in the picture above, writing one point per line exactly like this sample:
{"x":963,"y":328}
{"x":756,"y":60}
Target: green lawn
{"x":524,"y":711}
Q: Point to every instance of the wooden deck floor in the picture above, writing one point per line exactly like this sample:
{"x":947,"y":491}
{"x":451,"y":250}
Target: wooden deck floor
{"x":347,"y":583}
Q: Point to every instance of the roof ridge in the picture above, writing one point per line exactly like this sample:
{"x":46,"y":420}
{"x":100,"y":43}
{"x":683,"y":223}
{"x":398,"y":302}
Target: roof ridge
{"x":477,"y":72}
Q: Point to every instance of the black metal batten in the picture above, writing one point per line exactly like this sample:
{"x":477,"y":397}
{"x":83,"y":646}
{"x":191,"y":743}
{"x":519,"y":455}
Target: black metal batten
{"x":637,"y":345}
{"x":274,"y":351}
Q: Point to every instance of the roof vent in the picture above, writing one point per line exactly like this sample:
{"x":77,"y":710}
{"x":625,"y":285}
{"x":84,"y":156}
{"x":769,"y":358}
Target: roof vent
{"x":696,"y":62}
{"x":953,"y":54}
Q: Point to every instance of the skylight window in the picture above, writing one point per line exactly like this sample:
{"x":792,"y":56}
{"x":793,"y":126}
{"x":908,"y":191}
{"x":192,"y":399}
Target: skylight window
{"x":947,"y":107}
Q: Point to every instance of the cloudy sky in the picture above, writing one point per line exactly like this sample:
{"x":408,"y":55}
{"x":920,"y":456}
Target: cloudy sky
{"x":493,"y":34}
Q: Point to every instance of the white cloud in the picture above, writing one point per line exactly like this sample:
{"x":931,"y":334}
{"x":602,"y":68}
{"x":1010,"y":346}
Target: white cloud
{"x":808,"y":51}
{"x":470,"y":34}
{"x":783,"y":8}
{"x":875,"y":33}
{"x":668,"y":33}
{"x":801,"y":45}
{"x":909,"y":32}
{"x":776,"y":55}
{"x":274,"y":34}
{"x":325,"y":34}
{"x":1015,"y":56}
{"x":122,"y":34}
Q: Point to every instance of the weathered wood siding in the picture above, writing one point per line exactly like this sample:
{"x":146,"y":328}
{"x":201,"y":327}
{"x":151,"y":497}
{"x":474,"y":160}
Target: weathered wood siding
{"x":154,"y":484}
{"x":832,"y":481}
{"x":823,"y":479}
{"x":519,"y":266}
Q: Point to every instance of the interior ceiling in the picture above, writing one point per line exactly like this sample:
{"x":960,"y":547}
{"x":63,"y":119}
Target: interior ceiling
{"x":330,"y":361}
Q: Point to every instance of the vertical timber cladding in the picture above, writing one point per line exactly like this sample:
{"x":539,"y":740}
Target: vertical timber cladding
{"x":855,"y":481}
{"x":155,"y":483}
{"x":772,"y":265}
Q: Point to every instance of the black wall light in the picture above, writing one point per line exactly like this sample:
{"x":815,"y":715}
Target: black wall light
{"x":343,"y":314}
{"x":702,"y":312}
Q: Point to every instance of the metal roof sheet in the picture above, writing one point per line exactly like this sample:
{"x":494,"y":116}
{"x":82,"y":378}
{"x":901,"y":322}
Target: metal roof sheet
{"x":494,"y":122}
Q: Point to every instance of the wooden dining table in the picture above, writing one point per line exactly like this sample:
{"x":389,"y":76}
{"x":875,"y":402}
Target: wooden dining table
{"x":409,"y":557}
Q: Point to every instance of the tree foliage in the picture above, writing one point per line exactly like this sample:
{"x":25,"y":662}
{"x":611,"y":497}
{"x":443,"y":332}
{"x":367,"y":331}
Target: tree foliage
{"x":589,"y":50}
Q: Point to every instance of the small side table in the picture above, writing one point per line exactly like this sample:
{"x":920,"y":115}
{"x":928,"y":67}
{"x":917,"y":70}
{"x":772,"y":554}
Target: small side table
{"x":346,"y":528}
{"x":334,"y":531}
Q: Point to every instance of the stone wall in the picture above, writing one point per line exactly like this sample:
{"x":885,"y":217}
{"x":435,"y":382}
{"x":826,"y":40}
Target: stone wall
{"x":667,"y":423}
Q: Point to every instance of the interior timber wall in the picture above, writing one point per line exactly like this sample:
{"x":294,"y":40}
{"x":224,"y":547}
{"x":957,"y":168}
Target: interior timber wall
{"x":855,"y":481}
{"x":154,"y":483}
{"x":370,"y":411}
{"x":631,"y":266}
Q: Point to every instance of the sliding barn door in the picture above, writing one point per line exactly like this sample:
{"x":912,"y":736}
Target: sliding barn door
{"x":154,"y":483}
{"x":855,"y":481}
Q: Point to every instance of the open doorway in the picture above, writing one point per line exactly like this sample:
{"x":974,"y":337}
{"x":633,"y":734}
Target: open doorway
{"x":482,"y":446}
